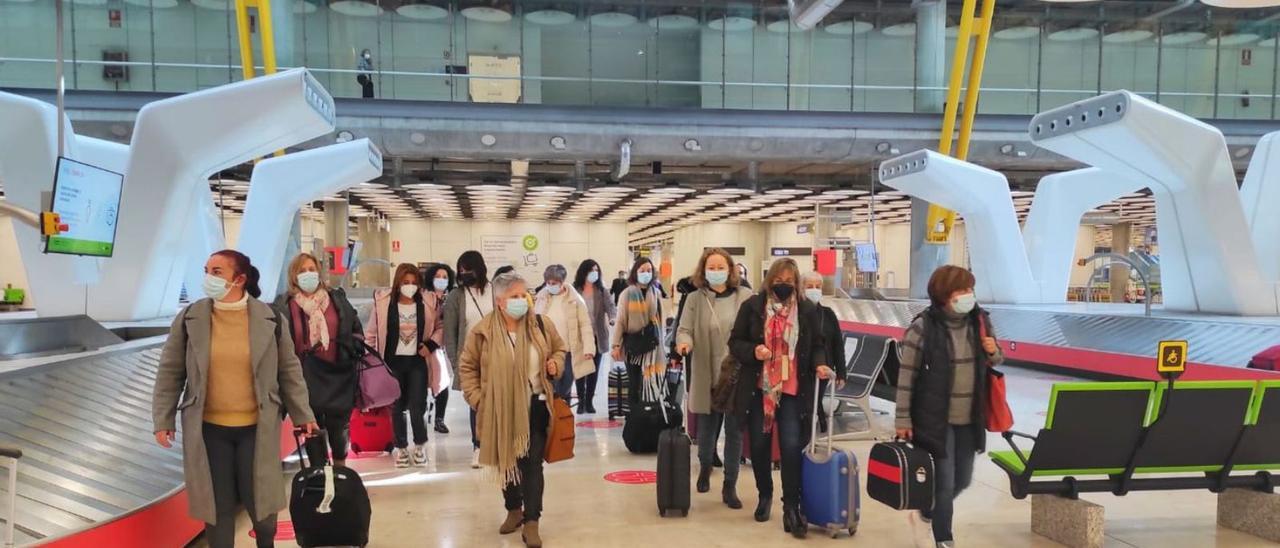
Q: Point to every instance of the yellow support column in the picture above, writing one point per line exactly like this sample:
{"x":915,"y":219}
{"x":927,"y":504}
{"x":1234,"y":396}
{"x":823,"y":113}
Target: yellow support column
{"x":246,"y":40}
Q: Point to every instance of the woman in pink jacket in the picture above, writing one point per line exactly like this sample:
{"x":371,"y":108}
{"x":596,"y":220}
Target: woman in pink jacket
{"x":405,"y":329}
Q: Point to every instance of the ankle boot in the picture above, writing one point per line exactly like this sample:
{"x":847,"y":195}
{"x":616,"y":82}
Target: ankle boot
{"x":530,"y":535}
{"x":764,"y":508}
{"x":704,"y":479}
{"x":730,"y":495}
{"x":793,"y":521}
{"x":514,"y":519}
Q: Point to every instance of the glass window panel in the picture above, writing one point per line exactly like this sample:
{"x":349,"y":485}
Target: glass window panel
{"x":1009,"y":73}
{"x":888,"y":66}
{"x":1069,"y":66}
{"x":311,"y":34}
{"x":348,"y":37}
{"x":567,"y":45}
{"x":214,"y":29}
{"x":109,"y":32}
{"x":675,"y":43}
{"x":26,"y":32}
{"x":772,"y":61}
{"x":740,"y":25}
{"x":1187,"y":68}
{"x":620,"y":59}
{"x":1244,"y":73}
{"x":831,"y":64}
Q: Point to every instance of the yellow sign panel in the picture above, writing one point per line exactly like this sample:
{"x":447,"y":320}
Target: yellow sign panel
{"x":940,"y":220}
{"x":1173,"y":357}
{"x":505,"y":89}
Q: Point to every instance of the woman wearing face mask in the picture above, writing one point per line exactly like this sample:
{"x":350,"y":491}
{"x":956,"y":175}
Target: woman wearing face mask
{"x":602,"y":311}
{"x":403,"y":328}
{"x":464,"y":307}
{"x":506,"y":370}
{"x":640,"y":317}
{"x":779,"y":344}
{"x":703,"y":333}
{"x":945,"y":355}
{"x":325,"y":328}
{"x":229,"y":366}
{"x":742,"y":275}
{"x":562,"y":304}
{"x":365,"y":76}
{"x":442,"y":284}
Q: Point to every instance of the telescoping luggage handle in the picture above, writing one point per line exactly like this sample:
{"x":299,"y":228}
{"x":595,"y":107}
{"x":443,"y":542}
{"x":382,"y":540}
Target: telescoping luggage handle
{"x":831,"y":416}
{"x":12,"y":453}
{"x":329,"y":489}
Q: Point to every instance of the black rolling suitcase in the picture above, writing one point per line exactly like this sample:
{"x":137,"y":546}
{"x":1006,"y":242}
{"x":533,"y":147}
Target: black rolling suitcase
{"x":674,"y":452}
{"x":329,"y":505}
{"x":901,"y":476}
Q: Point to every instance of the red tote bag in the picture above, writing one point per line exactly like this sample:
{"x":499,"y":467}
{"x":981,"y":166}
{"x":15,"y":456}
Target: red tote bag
{"x":999,"y":416}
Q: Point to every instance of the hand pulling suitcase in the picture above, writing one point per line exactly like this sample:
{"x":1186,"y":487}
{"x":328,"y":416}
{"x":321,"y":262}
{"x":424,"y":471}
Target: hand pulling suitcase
{"x":831,"y":496}
{"x":371,"y":431}
{"x":328,"y":504}
{"x":13,"y":454}
{"x":901,"y":476}
{"x":674,"y":452}
{"x":619,"y":397}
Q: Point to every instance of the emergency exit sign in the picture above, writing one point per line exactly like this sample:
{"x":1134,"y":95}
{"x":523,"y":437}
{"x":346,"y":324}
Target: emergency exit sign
{"x":395,"y":246}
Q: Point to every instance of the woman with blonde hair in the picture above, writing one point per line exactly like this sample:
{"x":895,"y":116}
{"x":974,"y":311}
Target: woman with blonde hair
{"x":703,"y":335}
{"x":506,"y":368}
{"x":405,"y":330}
{"x":326,"y":333}
{"x":781,"y":353}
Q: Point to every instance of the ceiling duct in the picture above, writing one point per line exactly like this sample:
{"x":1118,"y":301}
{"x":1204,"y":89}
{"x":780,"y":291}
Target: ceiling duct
{"x":806,"y":14}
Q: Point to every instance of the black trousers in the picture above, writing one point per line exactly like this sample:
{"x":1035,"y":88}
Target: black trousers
{"x":230,"y":451}
{"x":792,"y":437}
{"x":337,"y":426}
{"x":366,"y":85}
{"x":411,"y":371}
{"x":442,"y":401}
{"x":587,"y":385}
{"x":528,"y":493}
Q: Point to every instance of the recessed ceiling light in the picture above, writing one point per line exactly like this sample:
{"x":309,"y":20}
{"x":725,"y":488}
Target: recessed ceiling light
{"x":613,"y":19}
{"x":611,"y":188}
{"x":1073,"y":34}
{"x":673,"y":21}
{"x":421,"y":11}
{"x":787,"y":189}
{"x":1021,"y":32}
{"x":1127,"y":36}
{"x":732,"y":23}
{"x":1234,"y":39}
{"x":489,"y":186}
{"x":550,"y":17}
{"x":1182,"y":38}
{"x":355,"y":8}
{"x":900,"y":30}
{"x":486,"y":14}
{"x":846,"y":28}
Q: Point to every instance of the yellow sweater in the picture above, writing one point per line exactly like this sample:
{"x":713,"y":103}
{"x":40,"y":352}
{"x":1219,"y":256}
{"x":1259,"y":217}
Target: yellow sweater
{"x":230,"y":400}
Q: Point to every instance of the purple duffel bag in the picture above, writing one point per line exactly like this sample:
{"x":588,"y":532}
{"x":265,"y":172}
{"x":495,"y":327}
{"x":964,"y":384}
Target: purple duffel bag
{"x":378,"y":387}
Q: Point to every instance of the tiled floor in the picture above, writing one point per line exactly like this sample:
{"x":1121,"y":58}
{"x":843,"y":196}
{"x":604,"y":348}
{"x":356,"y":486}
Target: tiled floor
{"x":445,"y":505}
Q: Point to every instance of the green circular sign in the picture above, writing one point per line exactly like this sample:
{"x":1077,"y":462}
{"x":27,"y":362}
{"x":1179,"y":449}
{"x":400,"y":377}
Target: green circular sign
{"x":530,"y":242}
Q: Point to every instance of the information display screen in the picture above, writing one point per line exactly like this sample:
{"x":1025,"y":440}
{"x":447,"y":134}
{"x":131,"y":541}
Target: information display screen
{"x":866,"y":257}
{"x":87,"y":198}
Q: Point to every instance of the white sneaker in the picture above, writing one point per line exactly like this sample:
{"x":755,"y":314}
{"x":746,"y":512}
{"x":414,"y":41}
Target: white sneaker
{"x":419,"y":455}
{"x":475,"y":458}
{"x":401,"y":457}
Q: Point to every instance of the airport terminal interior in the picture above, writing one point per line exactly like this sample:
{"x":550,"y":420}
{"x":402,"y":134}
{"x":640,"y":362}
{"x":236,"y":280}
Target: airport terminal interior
{"x":917,"y":273}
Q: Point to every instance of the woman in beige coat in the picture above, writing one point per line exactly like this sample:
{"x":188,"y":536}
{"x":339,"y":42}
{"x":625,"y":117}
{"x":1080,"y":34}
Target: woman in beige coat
{"x":562,"y":304}
{"x":230,"y":368}
{"x":506,"y":369}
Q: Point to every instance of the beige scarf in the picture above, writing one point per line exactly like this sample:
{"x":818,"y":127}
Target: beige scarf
{"x":313,"y":307}
{"x":504,"y":427}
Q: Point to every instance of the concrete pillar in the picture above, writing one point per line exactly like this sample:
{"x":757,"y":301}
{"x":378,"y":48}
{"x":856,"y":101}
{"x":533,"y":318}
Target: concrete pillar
{"x":1252,"y":512}
{"x":375,"y":241}
{"x":335,"y":232}
{"x":931,"y":63}
{"x":1121,"y":236}
{"x":292,"y":247}
{"x":1071,"y":522}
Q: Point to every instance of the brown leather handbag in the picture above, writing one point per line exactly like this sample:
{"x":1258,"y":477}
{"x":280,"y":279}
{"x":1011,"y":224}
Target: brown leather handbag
{"x":560,"y":442}
{"x":724,"y":392}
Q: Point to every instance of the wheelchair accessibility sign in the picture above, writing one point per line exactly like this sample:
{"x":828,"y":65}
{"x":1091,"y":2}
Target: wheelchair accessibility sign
{"x":1173,"y":357}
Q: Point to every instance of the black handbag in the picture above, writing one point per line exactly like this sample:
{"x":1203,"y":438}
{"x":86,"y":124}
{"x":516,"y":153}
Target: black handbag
{"x":331,"y":387}
{"x":643,"y":341}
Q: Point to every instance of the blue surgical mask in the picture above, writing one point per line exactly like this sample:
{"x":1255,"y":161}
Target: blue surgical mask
{"x":554,"y":289}
{"x":308,"y":282}
{"x":216,"y":288}
{"x":440,"y":284}
{"x":717,"y":277}
{"x":644,"y":277}
{"x":593,"y":277}
{"x":813,"y":294}
{"x":517,"y":307}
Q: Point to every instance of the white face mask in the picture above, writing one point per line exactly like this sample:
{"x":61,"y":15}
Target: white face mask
{"x":308,"y":282}
{"x":593,"y":277}
{"x":554,"y":289}
{"x":964,"y":303}
{"x":216,"y":288}
{"x":408,"y":290}
{"x":716,"y":277}
{"x":644,"y":277}
{"x":440,"y":284}
{"x":813,"y":294}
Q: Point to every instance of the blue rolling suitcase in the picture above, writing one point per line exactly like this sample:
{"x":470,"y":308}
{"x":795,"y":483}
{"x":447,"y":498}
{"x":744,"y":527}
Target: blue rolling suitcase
{"x":830,"y":492}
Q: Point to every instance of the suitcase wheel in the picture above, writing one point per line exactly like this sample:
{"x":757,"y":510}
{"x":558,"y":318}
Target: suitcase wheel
{"x":853,"y":531}
{"x":390,"y":447}
{"x":684,"y":513}
{"x":662,"y":513}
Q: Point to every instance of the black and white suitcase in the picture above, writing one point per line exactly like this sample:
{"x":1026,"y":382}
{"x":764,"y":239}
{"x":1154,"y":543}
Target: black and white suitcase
{"x":328,"y":505}
{"x":901,"y":476}
{"x":619,"y":393}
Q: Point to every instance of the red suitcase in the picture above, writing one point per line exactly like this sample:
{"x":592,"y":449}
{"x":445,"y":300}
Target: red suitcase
{"x":371,"y":431}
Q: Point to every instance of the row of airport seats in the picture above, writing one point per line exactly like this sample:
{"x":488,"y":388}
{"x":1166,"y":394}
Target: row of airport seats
{"x":872,"y":370}
{"x":1121,"y":437}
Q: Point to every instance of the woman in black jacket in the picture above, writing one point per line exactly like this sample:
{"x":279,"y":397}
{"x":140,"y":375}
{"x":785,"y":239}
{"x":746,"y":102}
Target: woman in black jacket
{"x":780,"y":350}
{"x":325,"y":331}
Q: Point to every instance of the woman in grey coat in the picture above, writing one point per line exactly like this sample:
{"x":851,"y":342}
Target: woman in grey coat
{"x":464,"y":307}
{"x":230,"y":368}
{"x":703,"y":334}
{"x":603,"y":312}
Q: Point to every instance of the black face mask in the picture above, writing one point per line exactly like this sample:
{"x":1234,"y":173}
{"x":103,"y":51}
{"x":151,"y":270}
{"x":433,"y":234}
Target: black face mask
{"x":783,"y":291}
{"x":467,"y":278}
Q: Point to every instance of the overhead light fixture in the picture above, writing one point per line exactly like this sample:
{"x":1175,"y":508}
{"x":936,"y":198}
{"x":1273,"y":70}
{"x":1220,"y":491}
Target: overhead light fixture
{"x":781,"y":26}
{"x":692,"y":145}
{"x":489,"y":185}
{"x":486,"y":14}
{"x":344,"y":136}
{"x":847,"y":28}
{"x":164,"y":4}
{"x":808,"y":13}
{"x":1182,"y":38}
{"x":1127,"y":36}
{"x":787,"y":189}
{"x":1234,"y":39}
{"x":422,"y":11}
{"x":219,"y":5}
{"x":1006,"y":149}
{"x":549,"y":17}
{"x":356,"y":8}
{"x":488,"y":140}
{"x":672,"y":188}
{"x":302,"y":7}
{"x":559,"y":143}
{"x":1242,"y":4}
{"x":732,"y":23}
{"x":673,"y":21}
{"x":1242,"y":152}
{"x":900,"y":30}
{"x":611,"y":188}
{"x":1074,"y":34}
{"x":1021,"y":32}
{"x":613,"y":19}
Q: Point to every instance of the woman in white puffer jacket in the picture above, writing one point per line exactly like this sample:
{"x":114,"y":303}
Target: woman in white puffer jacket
{"x":566,"y":308}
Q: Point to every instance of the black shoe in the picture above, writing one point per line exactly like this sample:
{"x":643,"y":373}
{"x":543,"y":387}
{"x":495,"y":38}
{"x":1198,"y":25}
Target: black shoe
{"x":717,"y":462}
{"x":591,"y":409}
{"x":793,"y":522}
{"x":730,"y":496}
{"x":704,"y":479}
{"x":764,"y":508}
{"x":441,"y":428}
{"x":582,"y":410}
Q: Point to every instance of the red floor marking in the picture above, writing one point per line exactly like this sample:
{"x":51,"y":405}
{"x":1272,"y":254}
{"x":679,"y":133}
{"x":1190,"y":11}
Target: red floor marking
{"x":600,"y":424}
{"x":284,"y":531}
{"x":632,"y":477}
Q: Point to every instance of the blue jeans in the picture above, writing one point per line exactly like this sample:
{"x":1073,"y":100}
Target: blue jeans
{"x":709,"y":435}
{"x":951,"y":477}
{"x":792,"y":436}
